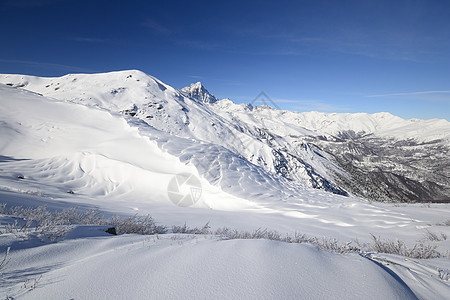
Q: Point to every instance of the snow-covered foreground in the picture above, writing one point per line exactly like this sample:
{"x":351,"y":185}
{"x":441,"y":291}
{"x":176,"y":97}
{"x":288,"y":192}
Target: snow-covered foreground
{"x":192,"y":267}
{"x":91,"y":264}
{"x":122,"y":166}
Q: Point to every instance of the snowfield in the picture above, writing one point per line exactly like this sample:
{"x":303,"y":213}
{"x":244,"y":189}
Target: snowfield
{"x":191,"y":267}
{"x":115,"y":141}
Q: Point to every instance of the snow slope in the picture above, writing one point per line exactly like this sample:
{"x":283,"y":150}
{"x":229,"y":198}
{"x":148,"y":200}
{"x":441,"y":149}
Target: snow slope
{"x":127,"y":166}
{"x":172,"y":111}
{"x":71,"y":147}
{"x":375,"y":156}
{"x":121,"y":90}
{"x":192,"y":267}
{"x":199,"y":92}
{"x":59,"y":146}
{"x":123,"y":165}
{"x":308,"y":149}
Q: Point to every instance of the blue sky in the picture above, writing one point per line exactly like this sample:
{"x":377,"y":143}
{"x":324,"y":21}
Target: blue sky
{"x":332,"y":56}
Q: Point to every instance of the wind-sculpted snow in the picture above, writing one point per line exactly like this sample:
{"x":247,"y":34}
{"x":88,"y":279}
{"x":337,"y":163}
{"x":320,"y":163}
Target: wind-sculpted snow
{"x":139,"y":95}
{"x":254,"y":172}
{"x":52,"y":147}
{"x":377,"y":156}
{"x":190,"y":267}
{"x":65,"y":146}
{"x":221,"y":167}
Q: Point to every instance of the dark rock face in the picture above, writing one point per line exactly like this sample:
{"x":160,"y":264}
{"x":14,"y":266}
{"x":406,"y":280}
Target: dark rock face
{"x":391,"y":170}
{"x":199,"y":92}
{"x":111,"y":230}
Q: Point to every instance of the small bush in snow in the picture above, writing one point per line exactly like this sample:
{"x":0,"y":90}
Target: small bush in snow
{"x":435,"y":237}
{"x":256,"y":234}
{"x":444,"y":274}
{"x":445,"y":223}
{"x":298,"y":238}
{"x":187,"y":230}
{"x":54,"y":225}
{"x":137,"y":224}
{"x":5,"y":260}
{"x":398,"y":247}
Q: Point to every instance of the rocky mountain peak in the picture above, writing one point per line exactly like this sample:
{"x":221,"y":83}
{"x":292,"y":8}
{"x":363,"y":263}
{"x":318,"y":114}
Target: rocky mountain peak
{"x":199,"y":92}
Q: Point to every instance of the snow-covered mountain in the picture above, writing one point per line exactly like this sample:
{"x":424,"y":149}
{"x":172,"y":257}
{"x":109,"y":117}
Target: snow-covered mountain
{"x":123,"y":143}
{"x":199,"y":92}
{"x":379,"y":156}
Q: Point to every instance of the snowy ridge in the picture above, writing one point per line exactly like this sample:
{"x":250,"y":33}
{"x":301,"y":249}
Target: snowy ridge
{"x":199,"y":92}
{"x":376,"y":156}
{"x":381,"y":124}
{"x":167,"y":109}
{"x":57,"y":146}
{"x":205,"y":269}
{"x":70,"y":147}
{"x":121,"y":90}
{"x":311,"y":149}
{"x":116,"y":153}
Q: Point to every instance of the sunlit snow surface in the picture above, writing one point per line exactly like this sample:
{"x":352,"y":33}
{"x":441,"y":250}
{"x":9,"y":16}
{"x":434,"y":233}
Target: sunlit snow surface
{"x":121,"y":165}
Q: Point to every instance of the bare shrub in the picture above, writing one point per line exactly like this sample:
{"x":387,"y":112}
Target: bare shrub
{"x":326,"y":244}
{"x":137,"y":224}
{"x":15,"y":228}
{"x":444,"y":274}
{"x":398,"y":247}
{"x":445,"y":223}
{"x":54,"y":225}
{"x":299,"y":238}
{"x":256,"y":234}
{"x":435,"y":237}
{"x":387,"y":246}
{"x":5,"y":260}
{"x":196,"y":230}
{"x":423,"y":251}
{"x":30,"y":284}
{"x":3,"y":209}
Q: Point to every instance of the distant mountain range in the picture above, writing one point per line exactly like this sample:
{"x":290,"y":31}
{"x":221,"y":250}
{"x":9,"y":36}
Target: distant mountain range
{"x":378,"y":157}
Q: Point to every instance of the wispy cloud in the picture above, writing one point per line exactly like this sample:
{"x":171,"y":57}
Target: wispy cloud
{"x":46,"y":65}
{"x":173,"y":36}
{"x":352,"y":42}
{"x":376,"y":43}
{"x":410,"y":94}
{"x":157,"y":28}
{"x":195,"y":76}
